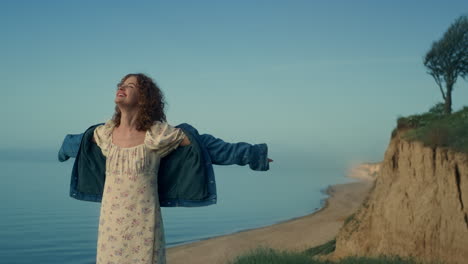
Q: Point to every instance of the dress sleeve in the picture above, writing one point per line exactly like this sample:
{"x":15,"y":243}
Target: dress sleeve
{"x":102,"y":136}
{"x":164,"y":138}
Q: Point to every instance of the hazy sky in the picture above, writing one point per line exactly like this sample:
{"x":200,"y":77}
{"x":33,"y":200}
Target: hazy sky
{"x":322,"y":77}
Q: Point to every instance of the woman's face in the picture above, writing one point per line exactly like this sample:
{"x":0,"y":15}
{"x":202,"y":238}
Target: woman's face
{"x":127,"y":93}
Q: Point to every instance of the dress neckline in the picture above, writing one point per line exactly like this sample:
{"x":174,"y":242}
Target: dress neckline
{"x":112,"y":140}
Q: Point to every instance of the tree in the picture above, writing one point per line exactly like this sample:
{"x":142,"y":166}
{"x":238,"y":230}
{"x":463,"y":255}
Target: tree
{"x":448,"y":58}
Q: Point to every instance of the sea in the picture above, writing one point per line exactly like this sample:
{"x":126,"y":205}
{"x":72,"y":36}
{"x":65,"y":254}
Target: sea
{"x":41,"y":223}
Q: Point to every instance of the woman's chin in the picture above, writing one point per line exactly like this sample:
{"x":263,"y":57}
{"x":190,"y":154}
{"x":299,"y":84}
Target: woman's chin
{"x":119,"y":100}
{"x":123,"y":104}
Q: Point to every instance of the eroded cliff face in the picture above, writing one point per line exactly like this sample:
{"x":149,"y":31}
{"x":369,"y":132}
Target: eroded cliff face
{"x":418,"y":207}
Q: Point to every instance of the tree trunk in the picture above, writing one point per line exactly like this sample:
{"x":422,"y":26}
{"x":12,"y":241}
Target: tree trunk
{"x":448,"y":99}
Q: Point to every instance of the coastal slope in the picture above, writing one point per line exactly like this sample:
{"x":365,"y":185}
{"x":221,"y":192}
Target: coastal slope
{"x":418,"y":207}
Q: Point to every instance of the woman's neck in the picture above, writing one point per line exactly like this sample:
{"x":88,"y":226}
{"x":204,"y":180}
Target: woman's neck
{"x":128,"y":120}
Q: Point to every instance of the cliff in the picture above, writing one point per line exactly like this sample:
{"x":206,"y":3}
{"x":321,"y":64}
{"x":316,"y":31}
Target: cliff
{"x":418,"y":207}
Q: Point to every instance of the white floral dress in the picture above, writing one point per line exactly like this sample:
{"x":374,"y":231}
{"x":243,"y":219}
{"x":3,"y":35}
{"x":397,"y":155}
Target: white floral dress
{"x":130,"y":224}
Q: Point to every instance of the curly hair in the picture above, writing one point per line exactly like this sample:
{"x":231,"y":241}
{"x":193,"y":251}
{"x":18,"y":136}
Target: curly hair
{"x":151,"y":102}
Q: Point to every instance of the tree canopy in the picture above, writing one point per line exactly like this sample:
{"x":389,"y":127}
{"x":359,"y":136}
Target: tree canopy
{"x":448,"y":59}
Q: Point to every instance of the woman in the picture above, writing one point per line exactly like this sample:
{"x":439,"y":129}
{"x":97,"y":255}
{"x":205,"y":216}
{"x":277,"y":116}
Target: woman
{"x":133,"y":142}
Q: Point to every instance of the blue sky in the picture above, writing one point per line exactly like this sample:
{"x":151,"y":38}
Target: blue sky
{"x":310,"y":77}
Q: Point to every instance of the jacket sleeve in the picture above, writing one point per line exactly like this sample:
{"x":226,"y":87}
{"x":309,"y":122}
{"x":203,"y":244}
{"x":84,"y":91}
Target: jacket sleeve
{"x":70,"y":147}
{"x":241,"y":153}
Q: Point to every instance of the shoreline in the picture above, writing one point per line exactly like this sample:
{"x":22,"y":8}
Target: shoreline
{"x":323,"y":205}
{"x":297,"y":234}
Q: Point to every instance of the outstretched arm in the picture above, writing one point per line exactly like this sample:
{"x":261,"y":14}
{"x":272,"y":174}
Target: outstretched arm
{"x":70,"y":147}
{"x":241,"y":153}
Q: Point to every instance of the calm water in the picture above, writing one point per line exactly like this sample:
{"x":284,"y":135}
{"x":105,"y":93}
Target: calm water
{"x":40,"y":223}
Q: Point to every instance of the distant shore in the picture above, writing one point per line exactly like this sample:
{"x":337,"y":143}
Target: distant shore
{"x":295,"y":234}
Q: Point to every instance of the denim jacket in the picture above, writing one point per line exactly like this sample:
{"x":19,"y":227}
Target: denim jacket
{"x":185,"y":176}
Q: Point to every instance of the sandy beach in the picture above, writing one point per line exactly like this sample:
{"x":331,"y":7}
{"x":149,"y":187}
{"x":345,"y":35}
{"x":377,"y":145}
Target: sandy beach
{"x":296,"y":234}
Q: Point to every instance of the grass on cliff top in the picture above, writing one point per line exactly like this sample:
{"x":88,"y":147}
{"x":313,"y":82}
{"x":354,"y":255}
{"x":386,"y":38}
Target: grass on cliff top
{"x":436,"y":129}
{"x":263,"y":255}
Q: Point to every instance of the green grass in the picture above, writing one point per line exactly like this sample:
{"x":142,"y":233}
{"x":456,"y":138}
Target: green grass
{"x":322,"y":249}
{"x":263,"y":255}
{"x":349,"y":219}
{"x":435,"y":129}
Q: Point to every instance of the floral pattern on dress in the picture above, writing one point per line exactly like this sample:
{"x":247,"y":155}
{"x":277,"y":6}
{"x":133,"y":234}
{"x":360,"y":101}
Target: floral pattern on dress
{"x":131,"y":229}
